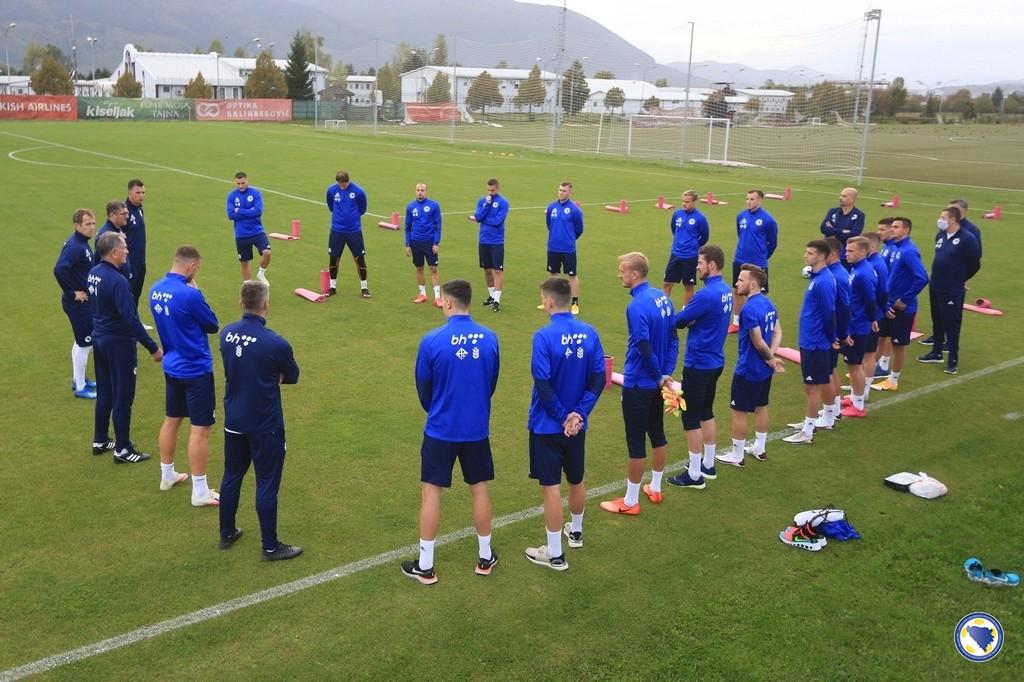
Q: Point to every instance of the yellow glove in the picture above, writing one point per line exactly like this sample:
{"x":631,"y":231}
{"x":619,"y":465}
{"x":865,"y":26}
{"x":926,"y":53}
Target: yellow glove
{"x":673,"y":400}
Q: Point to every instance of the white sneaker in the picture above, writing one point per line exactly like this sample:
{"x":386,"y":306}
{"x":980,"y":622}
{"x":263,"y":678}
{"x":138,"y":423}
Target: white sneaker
{"x":263,"y":278}
{"x":759,"y":455}
{"x":540,"y":556}
{"x":820,"y":423}
{"x":795,"y":425}
{"x":726,"y":457}
{"x":211,"y":499}
{"x":799,"y":438}
{"x":166,"y":484}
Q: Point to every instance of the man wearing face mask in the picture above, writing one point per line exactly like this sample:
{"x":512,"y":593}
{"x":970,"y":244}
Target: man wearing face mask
{"x":957,"y":259}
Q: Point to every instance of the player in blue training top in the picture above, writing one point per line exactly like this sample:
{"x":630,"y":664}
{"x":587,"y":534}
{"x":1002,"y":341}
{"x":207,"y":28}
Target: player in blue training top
{"x":564,"y":221}
{"x":816,"y":337}
{"x":844,"y":221}
{"x":957,"y":259}
{"x":491,"y":212}
{"x":568,"y":377}
{"x":874,"y":345}
{"x":907,"y":278}
{"x":183,"y":320}
{"x":706,"y":317}
{"x":256,"y":362}
{"x":886,"y":252}
{"x":72,"y":273}
{"x":652,"y":348}
{"x":135,"y":234}
{"x":690,"y":231}
{"x":757,"y":235}
{"x":423,"y":239}
{"x":347,"y":203}
{"x":117,"y":218}
{"x":863,"y":322}
{"x":245,"y":210}
{"x":115,"y":330}
{"x":759,"y":337}
{"x":456,"y":374}
{"x":833,"y":403}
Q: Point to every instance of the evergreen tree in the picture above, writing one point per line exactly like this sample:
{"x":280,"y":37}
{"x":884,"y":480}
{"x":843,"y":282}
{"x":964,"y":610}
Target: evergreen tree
{"x":605,"y":75}
{"x":216,"y":46}
{"x":575,"y":90}
{"x":439,"y":55}
{"x":531,"y":91}
{"x":389,"y":84}
{"x":651,"y":104}
{"x":51,"y":79}
{"x":715,"y":106}
{"x":615,"y":97}
{"x":484,"y":92}
{"x":127,"y":86}
{"x":296,"y":72}
{"x":266,"y":81}
{"x":439,"y":91}
{"x":198,"y":88}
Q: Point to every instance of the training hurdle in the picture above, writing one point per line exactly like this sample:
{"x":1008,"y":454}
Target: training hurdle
{"x":623,"y":207}
{"x":712,"y":201}
{"x":786,"y":195}
{"x":660,"y":203}
{"x":994,"y":214}
{"x":892,"y":203}
{"x":393,"y":225}
{"x":296,"y":232}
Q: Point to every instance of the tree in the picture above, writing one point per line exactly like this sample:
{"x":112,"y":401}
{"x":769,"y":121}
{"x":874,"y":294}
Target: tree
{"x":439,"y":55}
{"x":501,"y":65}
{"x":575,"y":90}
{"x":615,"y":97}
{"x":101,"y":72}
{"x":970,"y":112}
{"x":997,"y":97}
{"x":439,"y":91}
{"x":753,"y":105}
{"x":957,"y":102}
{"x":661,"y":83}
{"x":931,"y":107}
{"x":35,"y":54}
{"x":239,"y":53}
{"x":339,"y":74}
{"x":266,"y":80}
{"x":389,"y":84}
{"x":51,"y":79}
{"x":127,"y":86}
{"x":715,"y":105}
{"x":296,"y":72}
{"x":315,"y":49}
{"x":414,"y":60}
{"x":484,"y":92}
{"x":983,"y":104}
{"x":198,"y":88}
{"x":651,"y":104}
{"x":531,"y":91}
{"x":604,"y":75}
{"x":216,"y":46}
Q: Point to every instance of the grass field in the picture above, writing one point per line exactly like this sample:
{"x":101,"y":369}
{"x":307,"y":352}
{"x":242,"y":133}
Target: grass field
{"x":698,"y":587}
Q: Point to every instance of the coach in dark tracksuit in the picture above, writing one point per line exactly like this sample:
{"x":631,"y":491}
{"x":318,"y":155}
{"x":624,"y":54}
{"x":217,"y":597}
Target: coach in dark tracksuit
{"x":256,"y":362}
{"x":957,"y":259}
{"x":115,"y":329}
{"x":135,"y":233}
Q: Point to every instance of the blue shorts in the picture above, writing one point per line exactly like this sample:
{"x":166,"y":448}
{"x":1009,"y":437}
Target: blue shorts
{"x":749,"y":395}
{"x":699,"y":386}
{"x":553,"y":453}
{"x":872,"y":344}
{"x":559,"y":262}
{"x":193,"y":398}
{"x":736,"y":275}
{"x":423,"y":251}
{"x":437,"y":459}
{"x":815,"y":366}
{"x":854,"y":355}
{"x":80,"y":316}
{"x":339,"y":240}
{"x":833,"y":357}
{"x":644,"y":418}
{"x":681,"y":270}
{"x":244,"y":245}
{"x":884,"y":327}
{"x":900,"y":327}
{"x":492,"y":256}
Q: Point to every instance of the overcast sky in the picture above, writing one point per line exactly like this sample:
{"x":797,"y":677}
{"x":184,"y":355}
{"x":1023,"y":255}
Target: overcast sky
{"x":921,"y":40}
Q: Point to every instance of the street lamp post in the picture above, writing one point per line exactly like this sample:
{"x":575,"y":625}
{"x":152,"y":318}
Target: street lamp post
{"x":874,"y":15}
{"x":245,"y":50}
{"x":7,"y":57}
{"x":92,"y":48}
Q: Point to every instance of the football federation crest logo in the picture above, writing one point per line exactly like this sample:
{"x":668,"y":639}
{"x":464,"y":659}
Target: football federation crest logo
{"x":978,"y":637}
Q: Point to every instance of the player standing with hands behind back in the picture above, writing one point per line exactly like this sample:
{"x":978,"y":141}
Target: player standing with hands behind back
{"x":245,"y":209}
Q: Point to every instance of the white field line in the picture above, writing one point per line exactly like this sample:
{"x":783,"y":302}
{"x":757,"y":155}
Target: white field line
{"x":345,"y":570}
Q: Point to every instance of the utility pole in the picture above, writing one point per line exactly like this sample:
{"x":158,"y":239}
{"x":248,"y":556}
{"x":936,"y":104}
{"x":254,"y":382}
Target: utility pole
{"x":876,"y":16}
{"x":556,"y":116}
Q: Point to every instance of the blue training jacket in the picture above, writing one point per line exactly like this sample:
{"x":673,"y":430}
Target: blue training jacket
{"x":565,"y":226}
{"x":842,"y":226}
{"x":842,"y":299}
{"x":818,"y":312}
{"x":73,"y":264}
{"x":652,"y":347}
{"x":135,"y":232}
{"x":114,"y":313}
{"x":568,"y":373}
{"x":422,"y":221}
{"x":256,"y":362}
{"x":491,"y":213}
{"x":707,"y":316}
{"x":690,"y":231}
{"x":183,"y":319}
{"x":758,"y":313}
{"x":907,"y":276}
{"x":246,"y":210}
{"x":347,"y":207}
{"x":757,"y":235}
{"x":863,"y":297}
{"x":456,"y":374}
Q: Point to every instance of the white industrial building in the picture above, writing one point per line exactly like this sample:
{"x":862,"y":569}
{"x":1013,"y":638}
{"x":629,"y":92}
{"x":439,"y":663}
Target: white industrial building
{"x":165,"y":74}
{"x":416,"y":82}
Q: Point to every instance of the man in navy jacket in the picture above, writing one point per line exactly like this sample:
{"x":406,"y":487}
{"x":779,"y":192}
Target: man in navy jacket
{"x":72,"y":272}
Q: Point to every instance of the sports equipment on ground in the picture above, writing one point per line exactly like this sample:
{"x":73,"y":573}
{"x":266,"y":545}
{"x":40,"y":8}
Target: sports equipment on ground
{"x":977,"y":572}
{"x":311,"y":295}
{"x":984,"y":311}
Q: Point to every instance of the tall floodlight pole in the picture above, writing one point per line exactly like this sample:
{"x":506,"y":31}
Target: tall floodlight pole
{"x":455,"y":77}
{"x":92,"y":46}
{"x":556,"y":117}
{"x":689,"y":73}
{"x":876,"y":16}
{"x":7,"y":57}
{"x":245,"y":50}
{"x":860,"y":68}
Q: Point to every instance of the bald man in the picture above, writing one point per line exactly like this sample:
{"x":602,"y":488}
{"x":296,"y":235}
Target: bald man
{"x":844,"y":221}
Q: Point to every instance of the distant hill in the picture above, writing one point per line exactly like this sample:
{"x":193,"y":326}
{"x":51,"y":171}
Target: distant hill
{"x":741,"y":75}
{"x":1007,"y":86}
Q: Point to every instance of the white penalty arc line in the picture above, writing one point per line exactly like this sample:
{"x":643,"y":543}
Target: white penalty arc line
{"x":330,"y":575}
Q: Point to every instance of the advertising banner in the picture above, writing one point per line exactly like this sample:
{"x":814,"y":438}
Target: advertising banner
{"x":431,"y":113}
{"x":124,"y":109}
{"x":38,"y":107}
{"x":243,"y":110}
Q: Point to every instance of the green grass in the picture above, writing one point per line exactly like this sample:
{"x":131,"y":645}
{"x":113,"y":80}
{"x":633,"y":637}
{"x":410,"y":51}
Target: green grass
{"x":697,"y":587}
